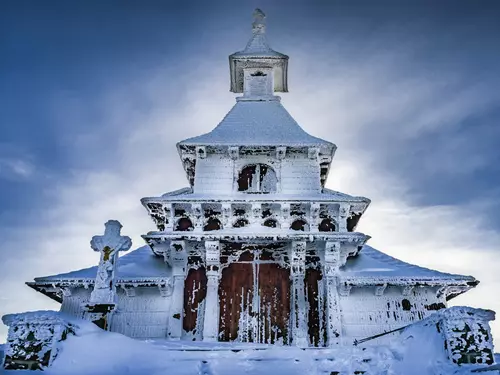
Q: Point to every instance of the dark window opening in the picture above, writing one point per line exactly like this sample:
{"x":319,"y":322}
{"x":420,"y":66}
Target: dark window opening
{"x":240,"y":223}
{"x":258,"y":74}
{"x":352,"y":222}
{"x":299,"y":225}
{"x":258,"y":178}
{"x":327,"y":225}
{"x":406,"y":305}
{"x":212,"y":224}
{"x":271,"y":223}
{"x":184,"y":224}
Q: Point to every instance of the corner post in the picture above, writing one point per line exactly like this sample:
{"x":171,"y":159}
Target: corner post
{"x":179,"y":264}
{"x":330,"y":271}
{"x":299,"y":317}
{"x":212,"y":261}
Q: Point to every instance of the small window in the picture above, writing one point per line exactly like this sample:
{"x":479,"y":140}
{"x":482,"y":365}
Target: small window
{"x":240,"y":223}
{"x":271,"y":223}
{"x":257,"y":178}
{"x":184,"y":224}
{"x":258,"y":74}
{"x":300,"y":225}
{"x":212,"y":224}
{"x":327,"y":225}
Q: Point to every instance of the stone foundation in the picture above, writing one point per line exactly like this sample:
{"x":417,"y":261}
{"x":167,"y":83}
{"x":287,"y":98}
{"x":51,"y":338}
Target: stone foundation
{"x":33,"y":338}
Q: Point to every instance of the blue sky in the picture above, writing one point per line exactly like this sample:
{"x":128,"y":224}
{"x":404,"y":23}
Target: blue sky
{"x":95,"y":95}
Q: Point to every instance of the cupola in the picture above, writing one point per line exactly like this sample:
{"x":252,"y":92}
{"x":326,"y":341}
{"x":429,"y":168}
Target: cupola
{"x":258,"y":69}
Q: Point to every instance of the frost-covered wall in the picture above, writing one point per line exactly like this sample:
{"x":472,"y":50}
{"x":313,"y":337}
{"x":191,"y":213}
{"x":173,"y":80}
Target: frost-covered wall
{"x":143,"y":315}
{"x":141,"y":312}
{"x":73,"y":303}
{"x":214,"y":174}
{"x":296,"y":173}
{"x":365,"y":314}
{"x":300,"y":175}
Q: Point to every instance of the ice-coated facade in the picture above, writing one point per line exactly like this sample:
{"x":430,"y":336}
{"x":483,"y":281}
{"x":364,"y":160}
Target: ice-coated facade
{"x":256,"y":249}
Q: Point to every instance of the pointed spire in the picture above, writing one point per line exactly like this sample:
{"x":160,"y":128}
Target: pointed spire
{"x":258,"y":42}
{"x":258,"y":25}
{"x":259,"y":55}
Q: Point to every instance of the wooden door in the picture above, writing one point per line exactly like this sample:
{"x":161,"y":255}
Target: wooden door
{"x":195,"y":291}
{"x":274,"y":306}
{"x":254,"y":302}
{"x":316,"y":309}
{"x":235,"y":301}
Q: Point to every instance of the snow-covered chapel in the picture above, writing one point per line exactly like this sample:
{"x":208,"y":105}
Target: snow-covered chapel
{"x":255,"y":248}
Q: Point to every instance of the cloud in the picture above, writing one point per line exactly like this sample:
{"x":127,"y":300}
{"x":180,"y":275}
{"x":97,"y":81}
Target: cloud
{"x":370,"y":109}
{"x":16,"y":169}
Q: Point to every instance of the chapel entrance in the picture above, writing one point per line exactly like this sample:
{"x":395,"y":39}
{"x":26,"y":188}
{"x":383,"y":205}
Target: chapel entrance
{"x":254,"y":294}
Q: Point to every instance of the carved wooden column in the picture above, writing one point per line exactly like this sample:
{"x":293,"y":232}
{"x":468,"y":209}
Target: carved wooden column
{"x":211,"y":321}
{"x":285,"y":215}
{"x":234,"y":154}
{"x":256,"y":213}
{"x":179,"y":264}
{"x":197,"y":216}
{"x":342,"y":218}
{"x":314,"y":219}
{"x":330,"y":272}
{"x":299,"y":318}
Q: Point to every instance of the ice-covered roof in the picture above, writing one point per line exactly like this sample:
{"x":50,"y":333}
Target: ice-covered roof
{"x":140,"y":263}
{"x":371,"y":263}
{"x":258,"y":46}
{"x":188,"y":194}
{"x":368,"y":267}
{"x":258,"y":123}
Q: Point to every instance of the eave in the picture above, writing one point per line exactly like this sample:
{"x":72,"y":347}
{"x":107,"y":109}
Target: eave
{"x":346,"y":237}
{"x":53,"y":288}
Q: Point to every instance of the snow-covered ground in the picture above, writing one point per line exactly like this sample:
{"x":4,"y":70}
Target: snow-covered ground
{"x":418,"y":351}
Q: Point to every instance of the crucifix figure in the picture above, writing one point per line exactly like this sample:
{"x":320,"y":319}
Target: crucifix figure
{"x":103,"y":296}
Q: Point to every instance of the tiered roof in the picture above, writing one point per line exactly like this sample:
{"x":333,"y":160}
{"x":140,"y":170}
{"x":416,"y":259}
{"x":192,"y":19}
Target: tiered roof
{"x":369,"y":267}
{"x":259,"y":123}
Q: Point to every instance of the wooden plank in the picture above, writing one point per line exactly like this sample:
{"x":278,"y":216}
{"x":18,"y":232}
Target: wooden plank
{"x":195,"y":291}
{"x":274,"y":290}
{"x":235,"y":296}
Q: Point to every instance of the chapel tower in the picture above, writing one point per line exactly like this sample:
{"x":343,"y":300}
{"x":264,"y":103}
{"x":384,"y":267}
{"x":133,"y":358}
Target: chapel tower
{"x":258,"y":235}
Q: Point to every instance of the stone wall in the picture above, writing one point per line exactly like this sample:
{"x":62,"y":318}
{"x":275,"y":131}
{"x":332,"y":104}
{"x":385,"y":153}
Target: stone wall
{"x":33,"y":339}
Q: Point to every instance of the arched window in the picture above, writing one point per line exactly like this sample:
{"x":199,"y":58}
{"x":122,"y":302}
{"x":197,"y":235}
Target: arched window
{"x":299,"y":224}
{"x":257,"y":178}
{"x":212,"y":224}
{"x":240,"y":223}
{"x":271,"y":223}
{"x":327,"y":225}
{"x":184,"y":224}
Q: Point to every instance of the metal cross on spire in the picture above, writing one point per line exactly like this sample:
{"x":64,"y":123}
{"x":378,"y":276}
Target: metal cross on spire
{"x":258,"y":25}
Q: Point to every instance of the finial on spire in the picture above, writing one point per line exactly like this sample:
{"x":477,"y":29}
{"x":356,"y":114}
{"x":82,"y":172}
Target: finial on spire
{"x":258,"y":25}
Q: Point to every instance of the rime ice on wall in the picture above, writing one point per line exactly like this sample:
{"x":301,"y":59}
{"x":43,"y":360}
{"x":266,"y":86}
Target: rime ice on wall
{"x":468,"y":335}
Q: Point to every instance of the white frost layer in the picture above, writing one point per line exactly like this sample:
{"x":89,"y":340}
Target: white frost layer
{"x":418,"y":351}
{"x":258,"y":123}
{"x":137,"y":264}
{"x":369,"y":264}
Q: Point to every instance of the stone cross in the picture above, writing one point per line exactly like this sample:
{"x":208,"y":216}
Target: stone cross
{"x":109,"y":245}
